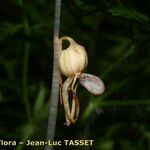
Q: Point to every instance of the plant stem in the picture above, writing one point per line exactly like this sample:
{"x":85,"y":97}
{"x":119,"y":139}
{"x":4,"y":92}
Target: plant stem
{"x":125,"y":102}
{"x":122,"y":58}
{"x":25,"y":65}
{"x":55,"y":78}
{"x":109,"y":103}
{"x":25,"y":80}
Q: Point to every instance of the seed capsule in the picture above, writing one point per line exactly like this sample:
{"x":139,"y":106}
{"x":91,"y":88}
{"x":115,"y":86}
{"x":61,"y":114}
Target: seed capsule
{"x":73,"y":60}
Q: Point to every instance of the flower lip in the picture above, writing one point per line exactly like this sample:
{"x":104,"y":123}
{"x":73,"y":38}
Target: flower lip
{"x":92,"y":83}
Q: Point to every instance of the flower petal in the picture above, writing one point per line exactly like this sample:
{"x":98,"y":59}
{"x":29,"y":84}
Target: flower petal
{"x":92,"y":83}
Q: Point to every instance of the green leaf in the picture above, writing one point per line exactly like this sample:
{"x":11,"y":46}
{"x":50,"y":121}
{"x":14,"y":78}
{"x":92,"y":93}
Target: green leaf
{"x":40,"y":108}
{"x":128,"y":13}
{"x":106,"y":145}
{"x":8,"y":30}
{"x":27,"y":131}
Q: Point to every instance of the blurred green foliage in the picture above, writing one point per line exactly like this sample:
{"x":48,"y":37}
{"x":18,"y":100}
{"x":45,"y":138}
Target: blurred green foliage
{"x":116,"y":35}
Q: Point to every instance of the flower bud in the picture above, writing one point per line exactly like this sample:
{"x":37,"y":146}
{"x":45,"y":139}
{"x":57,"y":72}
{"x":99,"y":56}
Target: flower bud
{"x":73,"y":60}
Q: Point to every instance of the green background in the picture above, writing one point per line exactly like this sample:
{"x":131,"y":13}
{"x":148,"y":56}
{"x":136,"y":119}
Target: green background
{"x":116,"y":35}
